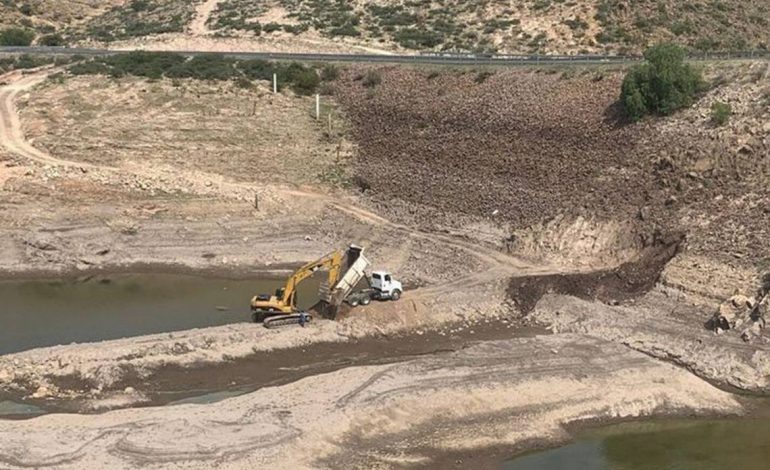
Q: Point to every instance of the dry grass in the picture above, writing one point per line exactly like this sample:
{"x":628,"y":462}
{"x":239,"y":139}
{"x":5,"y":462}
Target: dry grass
{"x":246,"y":134}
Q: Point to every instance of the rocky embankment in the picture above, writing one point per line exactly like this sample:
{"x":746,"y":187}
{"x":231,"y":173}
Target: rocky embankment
{"x":664,"y":327}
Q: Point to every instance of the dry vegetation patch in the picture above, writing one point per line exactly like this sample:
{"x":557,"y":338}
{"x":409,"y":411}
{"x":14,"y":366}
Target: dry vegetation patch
{"x":544,"y":26}
{"x":247,"y":134}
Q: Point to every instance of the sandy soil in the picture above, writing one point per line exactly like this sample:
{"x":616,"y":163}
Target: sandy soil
{"x":198,"y":27}
{"x":663,"y":326}
{"x":380,"y":416}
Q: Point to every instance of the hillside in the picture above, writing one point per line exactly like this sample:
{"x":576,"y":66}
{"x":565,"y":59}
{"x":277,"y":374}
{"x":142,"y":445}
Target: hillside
{"x":538,"y":150}
{"x":545,"y":26}
{"x":525,"y":26}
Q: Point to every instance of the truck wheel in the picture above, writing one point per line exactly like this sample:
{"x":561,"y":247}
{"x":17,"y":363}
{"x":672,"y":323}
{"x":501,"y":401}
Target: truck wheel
{"x":395,"y":295}
{"x":353,"y":302}
{"x":366,"y":300}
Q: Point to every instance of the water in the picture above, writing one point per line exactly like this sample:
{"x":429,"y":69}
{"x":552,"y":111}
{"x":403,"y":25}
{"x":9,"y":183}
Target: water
{"x":12,"y":408}
{"x":46,"y":313}
{"x":734,"y":444}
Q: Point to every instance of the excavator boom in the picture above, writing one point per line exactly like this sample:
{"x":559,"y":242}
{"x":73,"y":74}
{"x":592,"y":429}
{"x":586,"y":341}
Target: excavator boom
{"x":284,"y":300}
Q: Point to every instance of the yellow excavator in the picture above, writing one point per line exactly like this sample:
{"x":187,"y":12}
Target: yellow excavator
{"x":281,"y":308}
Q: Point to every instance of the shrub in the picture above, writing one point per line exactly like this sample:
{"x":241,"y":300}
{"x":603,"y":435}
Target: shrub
{"x":482,"y":77}
{"x":155,"y":65}
{"x":27,"y":61}
{"x":243,"y":82}
{"x":720,"y":113}
{"x":663,"y":84}
{"x":140,"y":5}
{"x":16,"y":37}
{"x":372,"y":79}
{"x":204,"y":67}
{"x":330,"y":72}
{"x":304,"y":80}
{"x":416,"y":38}
{"x":257,"y":69}
{"x":52,"y":40}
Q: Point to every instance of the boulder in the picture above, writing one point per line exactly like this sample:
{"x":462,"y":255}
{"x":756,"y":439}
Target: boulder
{"x":734,"y":312}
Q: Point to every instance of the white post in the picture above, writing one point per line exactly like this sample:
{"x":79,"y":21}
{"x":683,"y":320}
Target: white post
{"x":275,"y":83}
{"x":317,"y":107}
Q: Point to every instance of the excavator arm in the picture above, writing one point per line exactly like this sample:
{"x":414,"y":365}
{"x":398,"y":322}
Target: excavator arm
{"x":284,"y":300}
{"x":331,"y":262}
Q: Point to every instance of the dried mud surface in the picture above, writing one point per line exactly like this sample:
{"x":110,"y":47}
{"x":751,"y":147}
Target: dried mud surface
{"x":378,"y":416}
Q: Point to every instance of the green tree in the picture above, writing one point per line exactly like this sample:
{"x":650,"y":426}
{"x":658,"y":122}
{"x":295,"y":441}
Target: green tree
{"x":16,"y":37}
{"x":661,"y":85}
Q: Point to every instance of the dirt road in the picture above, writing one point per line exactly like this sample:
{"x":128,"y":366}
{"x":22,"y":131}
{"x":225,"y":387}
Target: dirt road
{"x":199,"y":26}
{"x":11,"y":133}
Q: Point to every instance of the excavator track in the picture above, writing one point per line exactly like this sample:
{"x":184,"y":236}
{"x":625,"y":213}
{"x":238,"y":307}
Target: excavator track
{"x":283,"y":320}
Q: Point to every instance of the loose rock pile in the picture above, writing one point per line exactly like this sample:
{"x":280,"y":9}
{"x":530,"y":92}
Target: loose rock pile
{"x":745,"y":314}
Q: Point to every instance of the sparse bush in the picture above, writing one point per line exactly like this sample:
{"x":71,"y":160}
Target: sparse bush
{"x":482,"y":77}
{"x":663,"y":84}
{"x":243,"y":82}
{"x":720,"y":113}
{"x":372,"y":78}
{"x":27,"y":61}
{"x":51,"y":40}
{"x":16,"y":37}
{"x":330,"y":72}
{"x":155,"y":65}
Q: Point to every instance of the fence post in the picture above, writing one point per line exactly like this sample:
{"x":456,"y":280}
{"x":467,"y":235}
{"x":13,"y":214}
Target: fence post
{"x":275,"y":83}
{"x":317,"y":106}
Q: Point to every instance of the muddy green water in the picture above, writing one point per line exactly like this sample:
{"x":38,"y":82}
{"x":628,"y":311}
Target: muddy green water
{"x":731,"y":444}
{"x":46,"y":313}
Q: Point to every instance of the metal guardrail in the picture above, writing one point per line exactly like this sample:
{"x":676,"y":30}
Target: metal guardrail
{"x":422,"y":58}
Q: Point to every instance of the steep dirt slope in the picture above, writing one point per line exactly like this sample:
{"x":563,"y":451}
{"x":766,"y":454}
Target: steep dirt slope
{"x":521,"y":149}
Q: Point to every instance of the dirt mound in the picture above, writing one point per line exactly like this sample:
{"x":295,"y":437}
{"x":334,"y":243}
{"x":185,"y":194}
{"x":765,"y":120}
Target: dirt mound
{"x":629,"y":280}
{"x":518,"y":144}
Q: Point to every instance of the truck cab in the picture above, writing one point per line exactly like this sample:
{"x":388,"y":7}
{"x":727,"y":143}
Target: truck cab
{"x":385,"y":287}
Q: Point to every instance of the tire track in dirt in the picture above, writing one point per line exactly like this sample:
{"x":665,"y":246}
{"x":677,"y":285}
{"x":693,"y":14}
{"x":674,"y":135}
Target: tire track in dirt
{"x":11,"y":132}
{"x":199,"y":25}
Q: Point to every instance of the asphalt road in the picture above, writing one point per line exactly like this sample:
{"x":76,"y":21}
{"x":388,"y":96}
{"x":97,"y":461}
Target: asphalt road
{"x":424,"y":58}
